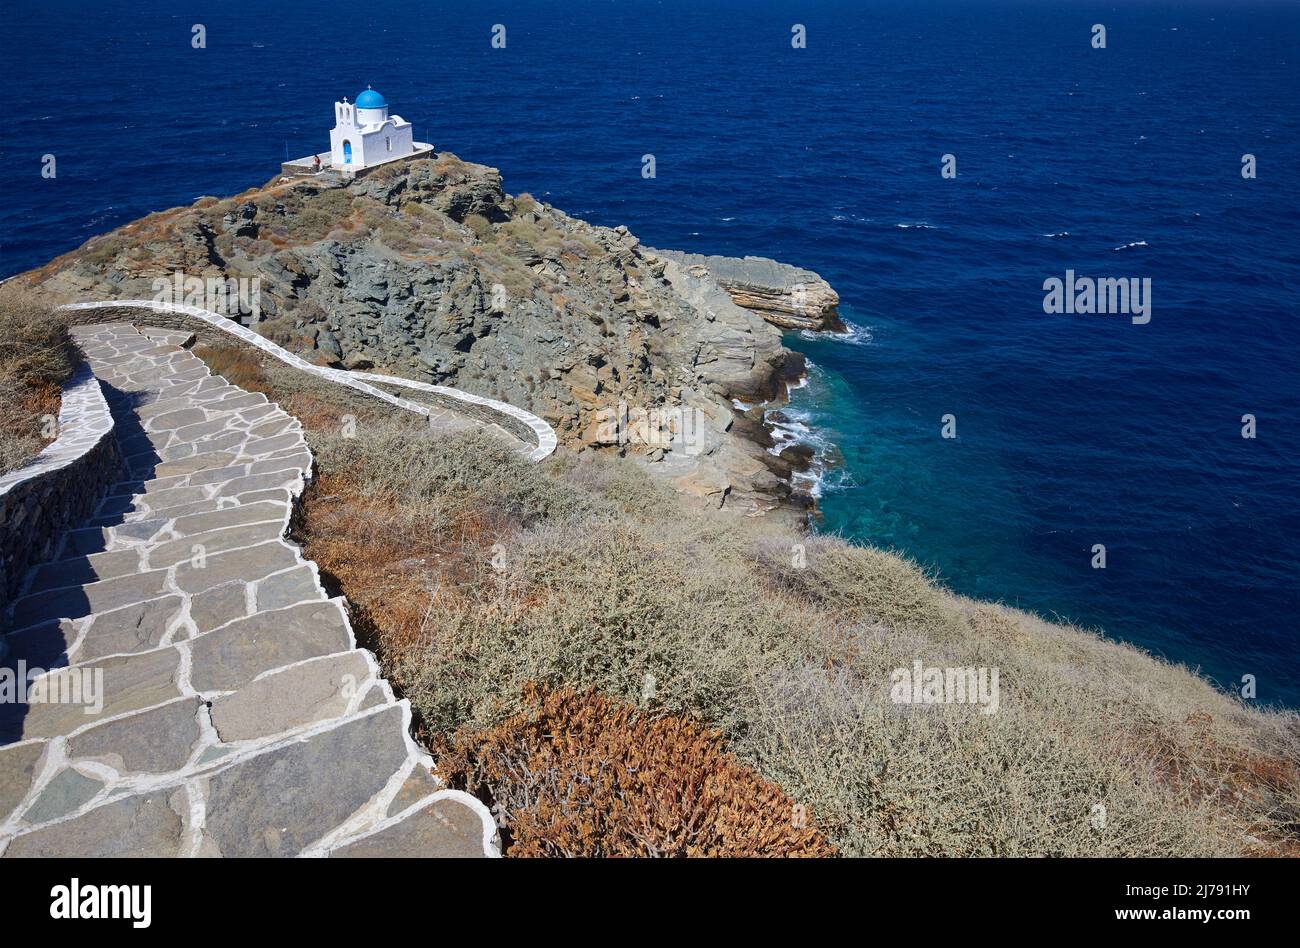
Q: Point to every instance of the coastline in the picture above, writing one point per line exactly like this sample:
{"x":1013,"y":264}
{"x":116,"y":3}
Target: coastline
{"x":787,"y":296}
{"x":802,"y":304}
{"x":590,"y":322}
{"x":760,"y":457}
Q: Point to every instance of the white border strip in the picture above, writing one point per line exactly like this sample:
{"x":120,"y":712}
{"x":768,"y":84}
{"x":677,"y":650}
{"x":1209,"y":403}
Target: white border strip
{"x":84,"y":420}
{"x":545,"y":434}
{"x":546,"y":439}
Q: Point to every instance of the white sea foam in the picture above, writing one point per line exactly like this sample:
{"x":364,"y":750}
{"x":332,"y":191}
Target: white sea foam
{"x":855,"y":336}
{"x":1136,"y":243}
{"x":820,"y":479}
{"x":799,"y":426}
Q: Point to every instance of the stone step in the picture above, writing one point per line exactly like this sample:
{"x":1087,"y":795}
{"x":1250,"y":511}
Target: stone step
{"x":232,"y":713}
{"x":85,"y":570}
{"x":287,"y":799}
{"x":243,"y":466}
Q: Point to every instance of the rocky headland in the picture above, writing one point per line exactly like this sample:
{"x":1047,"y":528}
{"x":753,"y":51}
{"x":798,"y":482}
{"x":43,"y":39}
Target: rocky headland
{"x":429,"y":270}
{"x":786,"y":296}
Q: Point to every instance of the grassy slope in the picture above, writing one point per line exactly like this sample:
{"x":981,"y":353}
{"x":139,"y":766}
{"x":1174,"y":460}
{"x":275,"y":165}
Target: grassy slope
{"x":602,"y":580}
{"x":473,"y":573}
{"x":37,"y":355}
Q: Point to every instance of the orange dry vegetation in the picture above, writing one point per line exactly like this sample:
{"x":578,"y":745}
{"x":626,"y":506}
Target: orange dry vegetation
{"x":22,"y":423}
{"x":38,"y":399}
{"x":578,"y":774}
{"x":1199,"y":767}
{"x":364,"y":546}
{"x":396,"y":570}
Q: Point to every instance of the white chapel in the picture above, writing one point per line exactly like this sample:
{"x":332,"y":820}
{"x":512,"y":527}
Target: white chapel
{"x":364,"y":134}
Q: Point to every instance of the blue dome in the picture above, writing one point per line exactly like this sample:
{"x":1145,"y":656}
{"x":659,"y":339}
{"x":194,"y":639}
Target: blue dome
{"x":370,"y":99}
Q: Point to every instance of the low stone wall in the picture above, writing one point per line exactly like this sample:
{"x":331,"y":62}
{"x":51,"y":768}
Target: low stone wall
{"x":526,"y":425}
{"x":62,"y":486}
{"x":301,"y":167}
{"x":305,"y":166}
{"x":422,"y":150}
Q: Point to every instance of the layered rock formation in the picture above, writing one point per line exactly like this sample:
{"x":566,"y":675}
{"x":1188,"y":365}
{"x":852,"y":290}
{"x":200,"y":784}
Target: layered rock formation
{"x":786,"y":296}
{"x":430,"y":271}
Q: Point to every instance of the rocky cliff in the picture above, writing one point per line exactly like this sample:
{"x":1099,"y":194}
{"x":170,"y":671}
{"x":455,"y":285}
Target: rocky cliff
{"x":429,"y":270}
{"x":786,"y":296}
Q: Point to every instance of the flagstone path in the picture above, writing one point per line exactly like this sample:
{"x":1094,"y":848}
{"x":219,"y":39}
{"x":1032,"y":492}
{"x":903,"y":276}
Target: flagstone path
{"x":238,"y":716}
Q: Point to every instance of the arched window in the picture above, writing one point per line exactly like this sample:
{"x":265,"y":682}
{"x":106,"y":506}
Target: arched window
{"x":388,"y":142}
{"x":347,"y":152}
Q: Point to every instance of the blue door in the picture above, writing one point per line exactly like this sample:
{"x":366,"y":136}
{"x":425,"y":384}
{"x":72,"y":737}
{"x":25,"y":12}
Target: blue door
{"x":347,"y":152}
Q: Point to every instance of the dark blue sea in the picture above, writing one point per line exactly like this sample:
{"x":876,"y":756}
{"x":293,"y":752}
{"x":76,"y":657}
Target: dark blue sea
{"x":1071,"y":430}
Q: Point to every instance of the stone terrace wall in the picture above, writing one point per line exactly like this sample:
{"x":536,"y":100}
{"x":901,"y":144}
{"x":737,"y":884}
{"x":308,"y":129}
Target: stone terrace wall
{"x":61,"y":486}
{"x":303,"y":166}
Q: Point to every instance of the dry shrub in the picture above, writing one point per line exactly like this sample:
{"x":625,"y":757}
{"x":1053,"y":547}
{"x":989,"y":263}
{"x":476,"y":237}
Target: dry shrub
{"x":35,"y":345}
{"x":481,"y":227}
{"x":285,"y":332}
{"x":239,"y":365}
{"x":995,"y":623}
{"x":577,"y":774}
{"x":604,"y":581}
{"x":1259,"y":784}
{"x":404,"y":237}
{"x":948,"y":780}
{"x":456,"y":474}
{"x":37,"y":355}
{"x":387,"y":563}
{"x":620,"y":483}
{"x":22,"y":420}
{"x":404,"y":536}
{"x":317,"y":215}
{"x":602,"y":603}
{"x":1083,"y":727}
{"x":863,"y":583}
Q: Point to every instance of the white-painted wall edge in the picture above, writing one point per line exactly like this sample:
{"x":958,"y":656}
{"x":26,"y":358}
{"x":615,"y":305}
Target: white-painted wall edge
{"x":84,"y":421}
{"x":545,"y":434}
